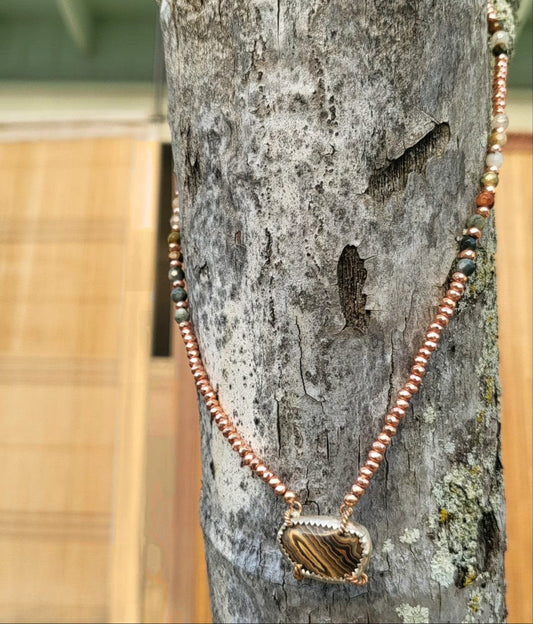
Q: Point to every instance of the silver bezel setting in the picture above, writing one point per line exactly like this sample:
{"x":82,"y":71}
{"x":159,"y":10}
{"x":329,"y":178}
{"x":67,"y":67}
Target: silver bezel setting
{"x":329,"y":522}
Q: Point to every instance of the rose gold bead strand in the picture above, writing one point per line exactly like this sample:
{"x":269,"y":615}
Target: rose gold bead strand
{"x":456,"y":286}
{"x":221,"y":419}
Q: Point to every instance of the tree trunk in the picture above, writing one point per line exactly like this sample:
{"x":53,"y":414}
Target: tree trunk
{"x":328,"y":155}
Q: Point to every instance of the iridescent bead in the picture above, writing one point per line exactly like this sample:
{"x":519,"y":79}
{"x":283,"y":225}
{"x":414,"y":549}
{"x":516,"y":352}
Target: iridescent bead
{"x":489,"y":179}
{"x":174,"y":222}
{"x":173,"y":238}
{"x":500,"y":121}
{"x":476,"y":221}
{"x":175,"y":274}
{"x":498,"y":138}
{"x":468,"y":242}
{"x":494,"y":159}
{"x":499,"y":42}
{"x":181,"y":315}
{"x":178,"y":294}
{"x":466,"y":266}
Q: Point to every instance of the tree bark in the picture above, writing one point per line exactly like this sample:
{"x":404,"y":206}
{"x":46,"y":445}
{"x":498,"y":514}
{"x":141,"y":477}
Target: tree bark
{"x":328,"y":155}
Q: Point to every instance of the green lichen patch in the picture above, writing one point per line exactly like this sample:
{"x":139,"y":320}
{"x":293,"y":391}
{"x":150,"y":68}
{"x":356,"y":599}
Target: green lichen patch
{"x":460,"y":499}
{"x":413,"y":615}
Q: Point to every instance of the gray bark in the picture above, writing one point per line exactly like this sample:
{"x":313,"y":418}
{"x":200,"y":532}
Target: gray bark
{"x":328,"y":154}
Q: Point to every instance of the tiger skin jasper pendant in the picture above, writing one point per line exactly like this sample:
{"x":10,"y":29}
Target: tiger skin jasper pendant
{"x":326,"y":549}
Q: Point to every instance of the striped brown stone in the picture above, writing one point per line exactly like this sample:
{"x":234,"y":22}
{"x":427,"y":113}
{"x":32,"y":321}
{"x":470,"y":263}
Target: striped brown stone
{"x":322,"y":550}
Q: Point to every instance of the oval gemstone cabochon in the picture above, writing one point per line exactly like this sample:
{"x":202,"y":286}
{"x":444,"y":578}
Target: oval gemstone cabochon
{"x":318,"y":545}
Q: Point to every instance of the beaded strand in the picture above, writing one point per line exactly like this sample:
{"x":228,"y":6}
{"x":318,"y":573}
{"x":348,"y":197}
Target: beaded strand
{"x":465,"y":265}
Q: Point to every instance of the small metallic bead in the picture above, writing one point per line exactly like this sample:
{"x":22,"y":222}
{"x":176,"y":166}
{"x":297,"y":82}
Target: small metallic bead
{"x":175,"y":222}
{"x":500,"y":121}
{"x":181,"y":315}
{"x":175,"y":202}
{"x":457,"y":286}
{"x":289,"y":496}
{"x":459,"y":277}
{"x":220,"y":420}
{"x":494,"y":160}
{"x":267,"y":475}
{"x":399,"y":412}
{"x":212,"y":403}
{"x":433,"y":335}
{"x":420,"y":359}
{"x":402,"y":403}
{"x":237,"y":444}
{"x":175,"y":273}
{"x":415,"y":379}
{"x":446,"y":301}
{"x":178,"y":284}
{"x":404,"y":394}
{"x":350,"y":500}
{"x":476,"y":221}
{"x":413,"y":388}
{"x":454,"y":294}
{"x":375,"y":456}
{"x":226,"y":430}
{"x":468,"y":253}
{"x":260,"y":469}
{"x":174,"y":257}
{"x":274,"y":481}
{"x":466,"y":266}
{"x":357,"y":490}
{"x":178,"y":294}
{"x":446,"y":311}
{"x":244,"y":450}
{"x":362,"y":481}
{"x":379,"y":446}
{"x":417,"y":369}
{"x":436,"y":326}
{"x":431,"y":345}
{"x":173,"y":247}
{"x":205,"y":388}
{"x":195,"y":361}
{"x":483,"y":211}
{"x":246,"y":460}
{"x":280,"y":489}
{"x":182,"y":304}
{"x":424,"y":352}
{"x":232,"y":436}
{"x":216,"y":413}
{"x":372,"y":465}
{"x":366,"y":472}
{"x":495,"y":138}
{"x":199,"y":374}
{"x":193,"y":353}
{"x":174,"y":238}
{"x":391,"y":431}
{"x":390,"y":419}
{"x":384,"y":439}
{"x":254,"y":463}
{"x":443,"y":320}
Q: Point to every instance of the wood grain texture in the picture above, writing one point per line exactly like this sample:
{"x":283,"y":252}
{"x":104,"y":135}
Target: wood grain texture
{"x":64,"y":223}
{"x":514,"y":262}
{"x":292,"y":127}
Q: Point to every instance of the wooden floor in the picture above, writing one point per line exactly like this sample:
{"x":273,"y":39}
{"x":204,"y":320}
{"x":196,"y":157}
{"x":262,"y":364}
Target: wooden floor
{"x":99,"y":450}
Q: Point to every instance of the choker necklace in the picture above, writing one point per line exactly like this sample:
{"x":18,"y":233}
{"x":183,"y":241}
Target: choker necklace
{"x":335,"y":549}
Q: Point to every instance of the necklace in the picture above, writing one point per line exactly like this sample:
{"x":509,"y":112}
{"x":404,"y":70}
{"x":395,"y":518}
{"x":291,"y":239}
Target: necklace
{"x":336,"y":549}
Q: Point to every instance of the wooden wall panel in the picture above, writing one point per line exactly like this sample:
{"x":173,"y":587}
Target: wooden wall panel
{"x":514,"y":264}
{"x":77,"y":219}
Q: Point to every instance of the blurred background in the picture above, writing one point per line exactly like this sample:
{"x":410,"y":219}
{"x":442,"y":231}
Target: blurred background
{"x":99,"y":458}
